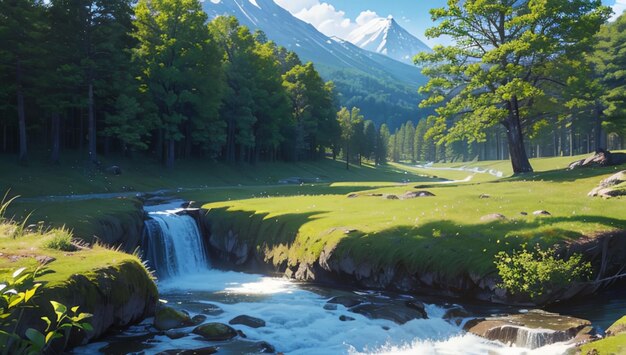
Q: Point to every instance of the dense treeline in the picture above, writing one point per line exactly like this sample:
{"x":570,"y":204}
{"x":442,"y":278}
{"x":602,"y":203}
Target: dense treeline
{"x":154,"y":77}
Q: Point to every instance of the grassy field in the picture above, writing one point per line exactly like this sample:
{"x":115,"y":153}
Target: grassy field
{"x":445,"y":233}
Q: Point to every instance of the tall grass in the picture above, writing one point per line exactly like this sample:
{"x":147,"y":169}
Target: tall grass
{"x":59,"y":239}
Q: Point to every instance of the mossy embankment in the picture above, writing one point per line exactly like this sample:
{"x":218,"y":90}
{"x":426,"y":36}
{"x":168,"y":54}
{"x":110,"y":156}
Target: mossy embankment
{"x":113,"y":286}
{"x":441,"y":242}
{"x":613,"y":344}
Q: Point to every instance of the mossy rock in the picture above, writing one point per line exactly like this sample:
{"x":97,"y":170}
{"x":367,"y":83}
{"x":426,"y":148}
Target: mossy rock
{"x":251,"y":322}
{"x":618,"y":327}
{"x":167,"y":318}
{"x":215,"y":331}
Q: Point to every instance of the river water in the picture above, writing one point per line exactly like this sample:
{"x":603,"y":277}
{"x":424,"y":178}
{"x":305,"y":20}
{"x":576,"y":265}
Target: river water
{"x":297,"y":316}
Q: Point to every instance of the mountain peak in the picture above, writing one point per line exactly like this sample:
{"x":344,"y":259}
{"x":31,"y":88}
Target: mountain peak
{"x":386,"y":36}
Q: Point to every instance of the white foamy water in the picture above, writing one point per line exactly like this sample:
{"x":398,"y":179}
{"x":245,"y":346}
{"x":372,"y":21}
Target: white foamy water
{"x":297,"y":323}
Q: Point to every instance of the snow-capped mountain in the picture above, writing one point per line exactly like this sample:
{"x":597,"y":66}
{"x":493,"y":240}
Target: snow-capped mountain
{"x":386,"y":36}
{"x":311,"y":45}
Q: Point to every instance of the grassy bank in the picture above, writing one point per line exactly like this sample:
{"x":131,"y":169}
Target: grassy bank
{"x":445,"y":233}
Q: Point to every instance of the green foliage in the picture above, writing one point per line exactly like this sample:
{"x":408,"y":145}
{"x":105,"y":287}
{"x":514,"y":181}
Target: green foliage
{"x":505,"y":58}
{"x":59,"y":239}
{"x":16,"y":295}
{"x":539,"y":272}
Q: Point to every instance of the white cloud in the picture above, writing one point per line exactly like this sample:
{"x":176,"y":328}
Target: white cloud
{"x":365,"y":17}
{"x":618,"y":8}
{"x":325,"y":17}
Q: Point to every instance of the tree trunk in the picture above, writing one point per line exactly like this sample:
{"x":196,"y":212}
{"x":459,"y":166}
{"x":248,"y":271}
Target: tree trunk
{"x":171,"y":151}
{"x":4,"y":137}
{"x":571,"y":142}
{"x":92,"y":126}
{"x":348,"y":156}
{"x":598,"y":128}
{"x":519,"y":158}
{"x":21,"y":114}
{"x":56,"y":138}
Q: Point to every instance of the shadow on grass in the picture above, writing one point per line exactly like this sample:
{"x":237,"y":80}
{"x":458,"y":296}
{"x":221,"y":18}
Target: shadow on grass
{"x":564,"y":175}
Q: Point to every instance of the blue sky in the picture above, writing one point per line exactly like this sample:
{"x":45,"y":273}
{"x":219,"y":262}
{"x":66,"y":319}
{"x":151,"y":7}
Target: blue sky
{"x":340,"y":17}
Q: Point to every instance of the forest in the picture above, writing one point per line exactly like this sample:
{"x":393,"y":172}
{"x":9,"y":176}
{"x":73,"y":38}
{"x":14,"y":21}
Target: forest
{"x":158,"y":79}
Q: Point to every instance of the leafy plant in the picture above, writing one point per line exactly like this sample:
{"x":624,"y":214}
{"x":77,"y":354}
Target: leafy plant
{"x":15,"y":296}
{"x":59,"y":327}
{"x":538,"y":272}
{"x":60,"y":239}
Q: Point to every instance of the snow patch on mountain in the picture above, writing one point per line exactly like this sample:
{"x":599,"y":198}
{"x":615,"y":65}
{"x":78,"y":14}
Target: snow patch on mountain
{"x":386,"y":36}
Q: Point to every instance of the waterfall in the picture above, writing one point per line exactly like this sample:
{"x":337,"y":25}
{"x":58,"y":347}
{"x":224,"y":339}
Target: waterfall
{"x":172,"y":244}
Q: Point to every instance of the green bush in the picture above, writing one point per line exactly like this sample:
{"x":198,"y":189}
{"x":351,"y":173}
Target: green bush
{"x":538,"y":272}
{"x":59,"y":239}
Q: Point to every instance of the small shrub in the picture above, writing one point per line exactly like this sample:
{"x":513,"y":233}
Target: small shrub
{"x":534,"y":273}
{"x":60,"y":239}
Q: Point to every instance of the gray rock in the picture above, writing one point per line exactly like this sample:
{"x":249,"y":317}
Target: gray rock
{"x":265,"y":347}
{"x":416,"y":194}
{"x":114,"y":170}
{"x":346,"y":301}
{"x":493,"y":217}
{"x":198,"y":319}
{"x":392,"y":197}
{"x":172,"y":334}
{"x":167,"y":318}
{"x":248,"y":321}
{"x":395,"y":313}
{"x":215,"y":331}
{"x":345,"y":318}
{"x":212,"y":310}
{"x":533,"y":329}
{"x":542,"y":213}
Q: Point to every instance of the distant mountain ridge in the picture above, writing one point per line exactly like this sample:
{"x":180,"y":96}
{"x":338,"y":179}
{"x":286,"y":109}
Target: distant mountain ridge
{"x":384,"y":88}
{"x":386,"y":36}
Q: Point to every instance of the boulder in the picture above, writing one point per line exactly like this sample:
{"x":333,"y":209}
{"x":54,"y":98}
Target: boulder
{"x":542,"y":213}
{"x":353,"y":195}
{"x":346,"y":318}
{"x":393,"y":312}
{"x":392,"y":197}
{"x":532,"y":329}
{"x":612,"y":186}
{"x":493,"y":217}
{"x":599,"y":159}
{"x":248,"y":321}
{"x":416,"y":194}
{"x":114,"y":170}
{"x":265,"y":347}
{"x":215,"y":331}
{"x":456,"y":315}
{"x":346,"y":301}
{"x":173,"y":334}
{"x":167,"y":318}
{"x":212,"y":310}
{"x":198,"y":319}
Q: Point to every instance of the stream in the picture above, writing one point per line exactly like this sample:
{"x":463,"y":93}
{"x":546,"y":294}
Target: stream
{"x":298,"y":318}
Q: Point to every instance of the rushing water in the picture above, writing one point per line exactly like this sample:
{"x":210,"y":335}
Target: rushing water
{"x":297,"y":321}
